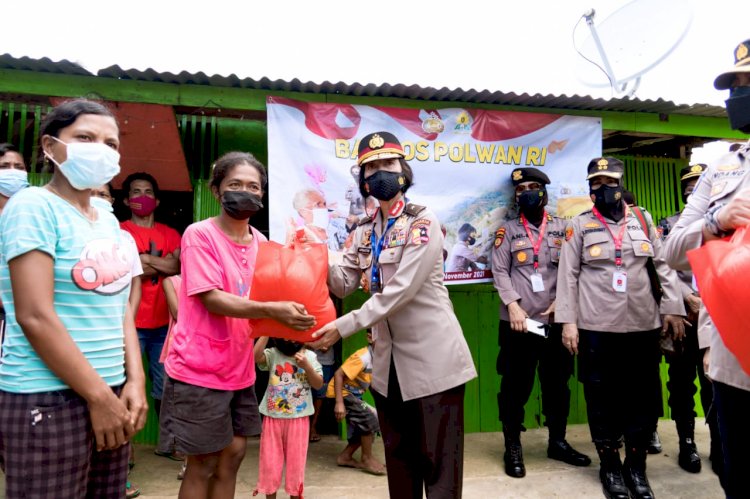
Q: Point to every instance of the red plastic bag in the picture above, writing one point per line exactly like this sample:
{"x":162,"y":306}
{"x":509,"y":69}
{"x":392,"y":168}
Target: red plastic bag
{"x":292,"y":273}
{"x":721,"y":268}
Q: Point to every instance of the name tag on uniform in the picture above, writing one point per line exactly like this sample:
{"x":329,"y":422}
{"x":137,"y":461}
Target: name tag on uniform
{"x":537,"y":283}
{"x":620,"y":281}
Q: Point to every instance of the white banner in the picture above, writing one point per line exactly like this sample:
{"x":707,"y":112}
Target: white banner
{"x":462,"y":161}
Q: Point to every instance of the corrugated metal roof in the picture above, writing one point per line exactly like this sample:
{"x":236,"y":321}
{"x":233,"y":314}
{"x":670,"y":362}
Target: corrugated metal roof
{"x":43,"y":65}
{"x":431,"y":94}
{"x":422,"y":93}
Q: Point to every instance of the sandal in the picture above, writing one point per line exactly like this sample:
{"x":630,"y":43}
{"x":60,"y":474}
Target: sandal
{"x":131,"y":490}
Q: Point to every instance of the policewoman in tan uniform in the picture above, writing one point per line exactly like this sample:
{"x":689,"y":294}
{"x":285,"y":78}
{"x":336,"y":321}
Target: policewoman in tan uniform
{"x":719,"y":204}
{"x":686,"y":362}
{"x":612,"y":321}
{"x":524,"y":269}
{"x":421,"y":360}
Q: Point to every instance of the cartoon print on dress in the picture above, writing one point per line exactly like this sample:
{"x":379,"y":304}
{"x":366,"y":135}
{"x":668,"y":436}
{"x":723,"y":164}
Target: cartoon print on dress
{"x":287,"y":393}
{"x":104,"y":267}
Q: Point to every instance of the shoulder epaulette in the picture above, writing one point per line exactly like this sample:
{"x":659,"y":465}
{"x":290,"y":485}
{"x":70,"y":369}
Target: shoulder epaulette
{"x":413,"y":209}
{"x":364,"y":220}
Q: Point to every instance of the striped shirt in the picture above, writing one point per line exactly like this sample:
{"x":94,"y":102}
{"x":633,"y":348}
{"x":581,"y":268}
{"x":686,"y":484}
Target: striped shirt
{"x":93,"y":268}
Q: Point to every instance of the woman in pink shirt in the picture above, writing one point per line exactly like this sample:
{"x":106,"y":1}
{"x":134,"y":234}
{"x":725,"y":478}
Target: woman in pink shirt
{"x":210,"y":364}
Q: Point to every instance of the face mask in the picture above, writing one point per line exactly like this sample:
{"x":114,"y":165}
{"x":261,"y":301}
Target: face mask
{"x":738,"y":109}
{"x":531,"y":204}
{"x":142,"y":206}
{"x":471,"y":241}
{"x":240,"y":205}
{"x":12,"y":181}
{"x":320,"y":217}
{"x":100,"y":203}
{"x":89,"y":164}
{"x":287,"y":347}
{"x":383,"y":185}
{"x":608,"y":200}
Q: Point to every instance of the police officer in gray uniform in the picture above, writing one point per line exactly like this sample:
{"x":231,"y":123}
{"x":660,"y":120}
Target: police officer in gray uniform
{"x":687,"y":359}
{"x":719,"y":204}
{"x":421,"y":360}
{"x":524,"y":269}
{"x":605,"y":301}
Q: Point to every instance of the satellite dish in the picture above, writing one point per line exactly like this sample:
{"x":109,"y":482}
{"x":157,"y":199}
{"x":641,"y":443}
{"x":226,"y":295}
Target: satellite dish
{"x":631,"y":41}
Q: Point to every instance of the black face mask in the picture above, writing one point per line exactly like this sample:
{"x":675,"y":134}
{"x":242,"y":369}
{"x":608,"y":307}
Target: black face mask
{"x":287,"y":347}
{"x":383,"y":185}
{"x":240,"y":205}
{"x":608,"y":200}
{"x":738,"y":109}
{"x":531,"y":204}
{"x":471,"y":241}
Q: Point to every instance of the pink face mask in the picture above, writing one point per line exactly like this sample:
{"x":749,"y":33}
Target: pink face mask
{"x":142,"y":206}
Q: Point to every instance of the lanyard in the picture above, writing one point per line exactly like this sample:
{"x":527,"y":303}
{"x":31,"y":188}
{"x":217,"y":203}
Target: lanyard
{"x":535,"y":245}
{"x":377,"y":247}
{"x":618,"y":238}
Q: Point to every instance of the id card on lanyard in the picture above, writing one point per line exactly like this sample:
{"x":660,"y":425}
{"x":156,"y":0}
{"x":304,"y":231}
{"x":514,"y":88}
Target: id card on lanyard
{"x":619,"y":277}
{"x":376,"y":279}
{"x":537,"y":282}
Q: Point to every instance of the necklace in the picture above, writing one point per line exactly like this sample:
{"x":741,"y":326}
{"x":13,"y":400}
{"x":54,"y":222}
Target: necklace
{"x":90,"y":216}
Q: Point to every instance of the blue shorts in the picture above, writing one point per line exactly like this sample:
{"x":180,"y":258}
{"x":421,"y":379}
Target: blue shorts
{"x":328,"y":372}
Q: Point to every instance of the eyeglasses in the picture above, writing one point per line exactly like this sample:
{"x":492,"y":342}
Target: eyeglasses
{"x":533,"y":186}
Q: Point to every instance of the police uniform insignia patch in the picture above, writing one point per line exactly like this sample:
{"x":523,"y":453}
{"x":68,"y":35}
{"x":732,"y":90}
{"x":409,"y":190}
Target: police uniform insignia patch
{"x":728,"y":168}
{"x":595,"y":251}
{"x":517,"y":175}
{"x":645,"y":246}
{"x":521,"y":257}
{"x":499,"y":236}
{"x":420,"y":232}
{"x":718,"y":188}
{"x":376,"y":142}
{"x":396,"y":237}
{"x":568,"y":233}
{"x":592,"y":225}
{"x":558,"y":242}
{"x":365,"y":242}
{"x":659,"y":232}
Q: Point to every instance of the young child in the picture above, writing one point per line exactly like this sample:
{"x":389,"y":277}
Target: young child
{"x":287,"y":406}
{"x":350,"y":382}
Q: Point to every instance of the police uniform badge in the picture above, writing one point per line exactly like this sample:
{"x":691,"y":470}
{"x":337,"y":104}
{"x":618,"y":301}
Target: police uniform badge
{"x":376,"y":142}
{"x":645,"y":247}
{"x":499,"y":236}
{"x":420,"y":232}
{"x":595,"y":251}
{"x":568,"y":233}
{"x":521,"y":257}
{"x":364,"y":243}
{"x":517,"y":175}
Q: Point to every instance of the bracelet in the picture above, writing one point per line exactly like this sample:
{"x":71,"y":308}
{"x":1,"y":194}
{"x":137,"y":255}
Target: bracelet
{"x":712,"y":224}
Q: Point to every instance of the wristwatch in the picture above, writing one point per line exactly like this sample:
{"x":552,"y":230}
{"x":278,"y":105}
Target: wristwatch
{"x":711,"y":222}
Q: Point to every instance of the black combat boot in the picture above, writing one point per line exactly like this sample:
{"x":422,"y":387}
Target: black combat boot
{"x":634,"y":472}
{"x":688,"y":459}
{"x":654,"y":446}
{"x":513,"y":456}
{"x":610,"y":472}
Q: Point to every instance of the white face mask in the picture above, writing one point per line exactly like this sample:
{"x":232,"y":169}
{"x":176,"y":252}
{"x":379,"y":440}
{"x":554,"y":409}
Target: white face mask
{"x":89,"y":164}
{"x":12,"y":181}
{"x":100,"y":203}
{"x":320,"y":217}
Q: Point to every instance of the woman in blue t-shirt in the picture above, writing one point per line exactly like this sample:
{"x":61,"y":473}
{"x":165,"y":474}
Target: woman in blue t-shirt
{"x":71,"y":381}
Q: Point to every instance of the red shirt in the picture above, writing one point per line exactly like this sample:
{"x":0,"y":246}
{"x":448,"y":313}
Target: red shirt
{"x":161,"y":241}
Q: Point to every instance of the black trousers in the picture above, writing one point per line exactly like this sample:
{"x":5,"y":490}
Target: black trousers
{"x":520,"y":354}
{"x":424,"y":442}
{"x":620,"y":376}
{"x":732,"y":409}
{"x":683,"y":368}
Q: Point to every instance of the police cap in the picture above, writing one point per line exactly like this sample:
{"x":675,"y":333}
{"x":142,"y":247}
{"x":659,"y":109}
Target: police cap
{"x":741,"y":65}
{"x":605,"y":167}
{"x":520,"y":175}
{"x":379,"y":145}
